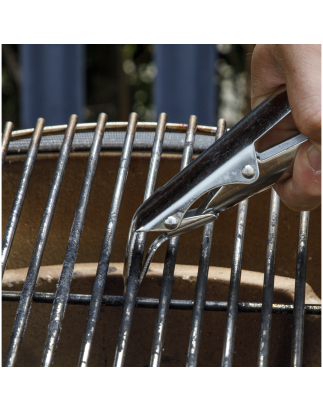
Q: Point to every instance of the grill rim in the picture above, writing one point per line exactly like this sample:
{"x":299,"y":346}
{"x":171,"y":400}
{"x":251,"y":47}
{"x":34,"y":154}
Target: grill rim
{"x":113,"y":126}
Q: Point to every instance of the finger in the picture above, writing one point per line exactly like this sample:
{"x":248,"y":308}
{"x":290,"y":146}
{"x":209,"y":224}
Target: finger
{"x":302,"y":192}
{"x":267,"y":76}
{"x":301,"y":64}
{"x":298,"y":68}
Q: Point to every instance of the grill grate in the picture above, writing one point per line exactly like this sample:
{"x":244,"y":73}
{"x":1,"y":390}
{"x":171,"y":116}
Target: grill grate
{"x":135,"y":138}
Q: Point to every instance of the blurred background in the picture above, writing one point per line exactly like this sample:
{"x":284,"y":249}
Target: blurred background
{"x":54,"y":81}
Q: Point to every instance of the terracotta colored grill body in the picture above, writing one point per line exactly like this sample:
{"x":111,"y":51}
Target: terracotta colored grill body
{"x":69,"y":193}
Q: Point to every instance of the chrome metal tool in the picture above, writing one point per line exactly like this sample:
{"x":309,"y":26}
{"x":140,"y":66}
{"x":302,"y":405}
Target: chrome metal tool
{"x":249,"y":158}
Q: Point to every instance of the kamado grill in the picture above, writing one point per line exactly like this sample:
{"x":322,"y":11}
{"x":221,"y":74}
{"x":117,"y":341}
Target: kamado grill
{"x":80,"y":315}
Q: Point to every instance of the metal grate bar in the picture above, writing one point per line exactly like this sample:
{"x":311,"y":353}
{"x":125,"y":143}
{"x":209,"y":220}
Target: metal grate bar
{"x":21,"y":193}
{"x":268,"y":290}
{"x":5,"y":139}
{"x":232,"y":312}
{"x":61,"y":298}
{"x":170,"y":261}
{"x":146,"y":302}
{"x":29,"y":285}
{"x":132,"y":282}
{"x":201,"y":283}
{"x":104,"y":261}
{"x":130,"y":300}
{"x":199,"y":299}
{"x":299,"y":299}
{"x":164,"y":301}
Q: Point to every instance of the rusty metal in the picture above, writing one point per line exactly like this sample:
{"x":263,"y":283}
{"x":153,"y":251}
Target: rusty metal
{"x":175,"y":304}
{"x":130,"y":300}
{"x":21,"y":193}
{"x":233,"y":300}
{"x":170,"y":261}
{"x":117,"y":126}
{"x":106,"y":250}
{"x":299,"y":301}
{"x":268,"y":293}
{"x":61,"y":297}
{"x":7,"y":133}
{"x":201,"y":283}
{"x":131,"y":282}
{"x":29,"y":285}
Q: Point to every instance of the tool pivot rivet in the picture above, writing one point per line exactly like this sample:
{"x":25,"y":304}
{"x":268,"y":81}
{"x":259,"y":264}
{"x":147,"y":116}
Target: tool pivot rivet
{"x":248,"y":171}
{"x":171,"y":222}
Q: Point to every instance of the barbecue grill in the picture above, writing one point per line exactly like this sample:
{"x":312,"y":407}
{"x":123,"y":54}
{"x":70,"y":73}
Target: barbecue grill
{"x":179,"y":296}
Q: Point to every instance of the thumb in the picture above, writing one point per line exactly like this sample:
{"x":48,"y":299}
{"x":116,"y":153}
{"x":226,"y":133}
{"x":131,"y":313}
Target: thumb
{"x":302,"y":191}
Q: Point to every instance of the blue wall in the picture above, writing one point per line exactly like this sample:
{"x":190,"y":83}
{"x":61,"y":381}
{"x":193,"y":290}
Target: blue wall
{"x":185,"y":82}
{"x":53,"y":83}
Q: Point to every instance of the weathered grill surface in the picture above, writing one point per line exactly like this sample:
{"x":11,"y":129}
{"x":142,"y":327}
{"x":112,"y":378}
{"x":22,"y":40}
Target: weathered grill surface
{"x":81,"y":137}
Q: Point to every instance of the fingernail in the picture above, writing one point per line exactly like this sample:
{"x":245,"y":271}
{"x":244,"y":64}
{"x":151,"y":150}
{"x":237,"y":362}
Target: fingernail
{"x":314,"y":158}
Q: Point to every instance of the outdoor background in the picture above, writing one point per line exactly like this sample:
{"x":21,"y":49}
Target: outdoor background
{"x":54,"y":81}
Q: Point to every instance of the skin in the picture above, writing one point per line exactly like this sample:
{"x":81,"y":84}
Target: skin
{"x":296,"y":68}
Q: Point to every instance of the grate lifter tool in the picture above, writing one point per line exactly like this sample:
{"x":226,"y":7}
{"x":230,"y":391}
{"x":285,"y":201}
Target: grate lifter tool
{"x":231,"y":170}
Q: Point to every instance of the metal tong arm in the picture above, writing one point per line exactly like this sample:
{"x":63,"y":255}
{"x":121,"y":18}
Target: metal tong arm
{"x":230,"y":161}
{"x":230,"y":171}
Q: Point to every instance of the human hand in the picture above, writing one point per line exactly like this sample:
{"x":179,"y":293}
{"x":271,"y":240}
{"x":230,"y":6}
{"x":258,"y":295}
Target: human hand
{"x":296,"y":68}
